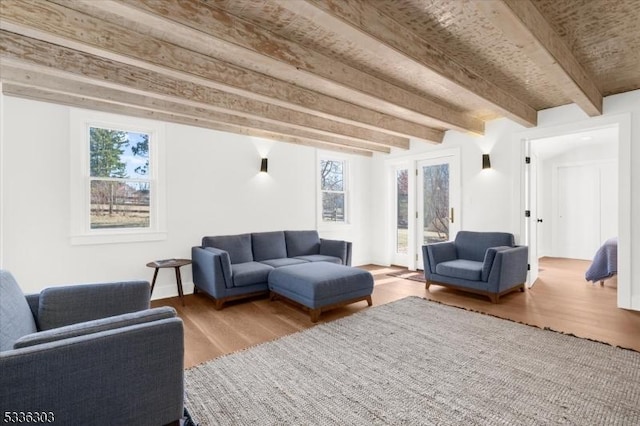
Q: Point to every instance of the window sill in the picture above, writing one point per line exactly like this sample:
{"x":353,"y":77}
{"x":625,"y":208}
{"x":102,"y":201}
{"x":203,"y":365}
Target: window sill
{"x":334,"y":226}
{"x":115,"y":238}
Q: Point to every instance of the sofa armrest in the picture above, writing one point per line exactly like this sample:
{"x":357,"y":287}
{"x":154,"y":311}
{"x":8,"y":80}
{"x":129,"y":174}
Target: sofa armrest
{"x":60,"y":306}
{"x":132,"y":375}
{"x":509,"y":269}
{"x":212,"y":271}
{"x":438,"y":253}
{"x":489,"y":257}
{"x":336,"y":248}
{"x":95,"y":326}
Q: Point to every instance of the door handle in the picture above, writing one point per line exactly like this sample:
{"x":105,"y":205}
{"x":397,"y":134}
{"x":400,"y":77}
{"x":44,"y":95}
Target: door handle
{"x":451,"y":214}
{"x":539,"y":220}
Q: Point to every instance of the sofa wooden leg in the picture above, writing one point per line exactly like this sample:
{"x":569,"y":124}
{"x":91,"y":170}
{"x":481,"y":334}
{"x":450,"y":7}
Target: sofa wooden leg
{"x":218,"y":304}
{"x":314,"y":314}
{"x":369,"y":301}
{"x":426,"y":285}
{"x":522,"y":288}
{"x":493,"y":298}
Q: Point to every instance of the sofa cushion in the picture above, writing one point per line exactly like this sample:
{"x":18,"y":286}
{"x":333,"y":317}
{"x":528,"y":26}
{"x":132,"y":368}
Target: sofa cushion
{"x":473,"y":245}
{"x":461,"y":268}
{"x":285,"y":261}
{"x":488,"y":260}
{"x":16,"y":319}
{"x":320,"y":258}
{"x":238,"y":246}
{"x":250,"y":273}
{"x":268,"y":245}
{"x":302,"y":243}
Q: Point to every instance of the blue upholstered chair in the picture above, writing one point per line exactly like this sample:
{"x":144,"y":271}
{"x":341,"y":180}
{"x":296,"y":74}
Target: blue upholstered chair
{"x":487,"y":263}
{"x":91,"y":354}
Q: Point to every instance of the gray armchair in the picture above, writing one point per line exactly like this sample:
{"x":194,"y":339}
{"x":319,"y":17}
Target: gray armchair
{"x":487,"y":263}
{"x":90,"y":354}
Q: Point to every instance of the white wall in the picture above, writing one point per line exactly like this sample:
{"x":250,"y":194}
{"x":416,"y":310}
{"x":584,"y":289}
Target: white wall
{"x":213,"y":188}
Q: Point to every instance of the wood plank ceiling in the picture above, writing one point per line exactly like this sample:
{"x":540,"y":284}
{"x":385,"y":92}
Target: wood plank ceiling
{"x":357,"y":76}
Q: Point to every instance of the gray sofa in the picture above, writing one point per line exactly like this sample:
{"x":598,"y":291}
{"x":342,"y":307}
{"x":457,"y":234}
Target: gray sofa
{"x":236,"y":266}
{"x":91,"y":354}
{"x":487,"y":263}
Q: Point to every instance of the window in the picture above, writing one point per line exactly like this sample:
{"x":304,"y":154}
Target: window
{"x":333,"y":188}
{"x":117,"y":186}
{"x":119,"y":179}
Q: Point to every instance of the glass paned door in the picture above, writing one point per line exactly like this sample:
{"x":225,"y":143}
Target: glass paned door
{"x":402,"y":211}
{"x":438,"y":201}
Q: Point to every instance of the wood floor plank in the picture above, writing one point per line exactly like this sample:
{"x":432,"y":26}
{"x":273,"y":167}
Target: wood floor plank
{"x":560,"y":300}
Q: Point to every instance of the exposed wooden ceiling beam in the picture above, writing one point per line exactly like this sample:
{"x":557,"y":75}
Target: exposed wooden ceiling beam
{"x":24,"y":49}
{"x":361,"y":22}
{"x":57,"y":24}
{"x":522,"y":23}
{"x":55,"y":82}
{"x":40,"y":94}
{"x":252,"y":47}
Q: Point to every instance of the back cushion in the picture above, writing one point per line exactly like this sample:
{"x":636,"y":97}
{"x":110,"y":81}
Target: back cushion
{"x":268,"y":245}
{"x":302,"y":243}
{"x":238,"y":246}
{"x":474,"y":245}
{"x":16,"y":319}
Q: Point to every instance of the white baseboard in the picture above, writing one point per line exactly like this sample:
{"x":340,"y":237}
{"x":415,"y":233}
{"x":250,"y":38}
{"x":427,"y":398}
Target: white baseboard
{"x":171,"y":290}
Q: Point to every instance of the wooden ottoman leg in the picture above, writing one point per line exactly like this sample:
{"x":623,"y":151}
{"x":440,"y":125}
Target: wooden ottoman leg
{"x":369,"y":301}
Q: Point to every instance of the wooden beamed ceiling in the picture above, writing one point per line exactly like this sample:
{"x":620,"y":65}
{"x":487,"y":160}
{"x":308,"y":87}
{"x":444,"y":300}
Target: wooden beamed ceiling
{"x":350,"y":75}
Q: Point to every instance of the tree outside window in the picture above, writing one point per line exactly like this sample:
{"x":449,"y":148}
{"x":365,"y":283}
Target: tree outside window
{"x":119,"y":179}
{"x":333,"y":188}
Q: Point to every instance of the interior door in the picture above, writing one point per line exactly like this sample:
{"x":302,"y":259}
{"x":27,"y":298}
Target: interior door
{"x":532,"y":219}
{"x":577,"y":233}
{"x":438,"y":202}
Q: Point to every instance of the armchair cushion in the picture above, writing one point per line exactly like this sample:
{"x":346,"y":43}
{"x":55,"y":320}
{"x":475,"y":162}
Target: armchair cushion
{"x":460,"y":268}
{"x":238,"y":246}
{"x":302,"y":243}
{"x":95,"y":326}
{"x":16,"y":319}
{"x":268,"y":245}
{"x":60,"y":306}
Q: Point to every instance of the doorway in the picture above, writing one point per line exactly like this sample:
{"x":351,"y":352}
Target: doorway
{"x":426,"y":207}
{"x":576,"y":197}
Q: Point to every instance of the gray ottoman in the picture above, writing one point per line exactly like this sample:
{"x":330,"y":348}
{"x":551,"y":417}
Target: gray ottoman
{"x":321,"y":286}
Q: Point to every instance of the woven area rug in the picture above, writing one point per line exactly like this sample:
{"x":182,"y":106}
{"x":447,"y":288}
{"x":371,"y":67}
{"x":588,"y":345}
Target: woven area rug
{"x":416,"y":362}
{"x":408,"y":275}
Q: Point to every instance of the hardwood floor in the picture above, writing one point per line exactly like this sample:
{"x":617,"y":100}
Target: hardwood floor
{"x":560,"y":300}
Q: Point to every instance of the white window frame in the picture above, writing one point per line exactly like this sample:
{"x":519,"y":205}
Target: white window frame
{"x":81,"y":232}
{"x":346,"y":170}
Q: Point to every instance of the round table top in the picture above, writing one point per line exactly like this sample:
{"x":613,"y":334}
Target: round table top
{"x":168,"y":263}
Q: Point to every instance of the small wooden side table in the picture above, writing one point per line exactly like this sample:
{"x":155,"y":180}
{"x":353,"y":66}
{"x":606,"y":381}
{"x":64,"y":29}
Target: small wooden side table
{"x":169,"y":263}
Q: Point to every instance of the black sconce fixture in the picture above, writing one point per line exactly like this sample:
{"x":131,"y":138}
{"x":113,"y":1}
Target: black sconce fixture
{"x":263,"y":165}
{"x":486,"y":161}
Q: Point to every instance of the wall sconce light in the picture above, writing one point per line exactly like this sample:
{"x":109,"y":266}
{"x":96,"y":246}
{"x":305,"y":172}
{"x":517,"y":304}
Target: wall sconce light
{"x":263,"y":165}
{"x":486,"y":161}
